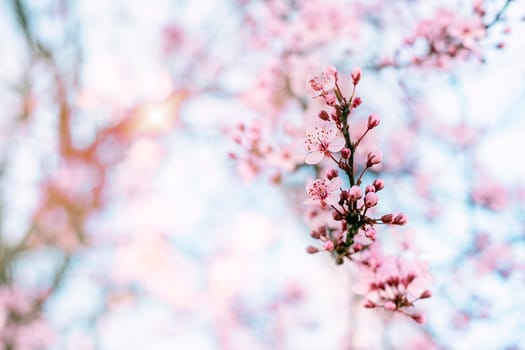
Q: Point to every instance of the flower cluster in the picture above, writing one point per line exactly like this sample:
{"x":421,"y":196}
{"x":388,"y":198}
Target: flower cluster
{"x":347,"y":228}
{"x":446,"y":36}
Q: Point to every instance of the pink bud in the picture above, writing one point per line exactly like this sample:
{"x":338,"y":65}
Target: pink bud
{"x":369,"y":304}
{"x":390,"y":306}
{"x":315,"y":234}
{"x":331,"y":174}
{"x":330,"y":99}
{"x":371,"y":199}
{"x":370,"y":188}
{"x":387,"y":219}
{"x":356,"y":75}
{"x":357,"y":247}
{"x":374,"y":158}
{"x":378,"y":184}
{"x":426,"y":294}
{"x":312,"y":250}
{"x":419,"y":318}
{"x":355,"y":193}
{"x":373,"y":121}
{"x":400,"y":219}
{"x":370,"y":232}
{"x":356,"y":102}
{"x":345,"y":153}
{"x":329,"y":246}
{"x":323,"y":115}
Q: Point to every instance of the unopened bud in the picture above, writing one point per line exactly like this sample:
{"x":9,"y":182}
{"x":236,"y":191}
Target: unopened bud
{"x":426,"y":294}
{"x":330,"y":99}
{"x":371,"y":199}
{"x":390,"y":306}
{"x":356,"y":75}
{"x":400,"y":219}
{"x":329,"y":246}
{"x":378,"y":184}
{"x":373,"y":121}
{"x":370,"y":188}
{"x":323,"y":115}
{"x":370,"y":232}
{"x":356,"y":102}
{"x":315,"y":234}
{"x":387,"y":219}
{"x":419,"y":318}
{"x":345,"y":153}
{"x":374,"y":158}
{"x":312,"y":250}
{"x":355,"y":193}
{"x":331,"y":174}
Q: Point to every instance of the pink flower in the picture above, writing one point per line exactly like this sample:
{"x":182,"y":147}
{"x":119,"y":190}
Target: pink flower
{"x":320,"y":140}
{"x":322,"y":191}
{"x":320,"y":85}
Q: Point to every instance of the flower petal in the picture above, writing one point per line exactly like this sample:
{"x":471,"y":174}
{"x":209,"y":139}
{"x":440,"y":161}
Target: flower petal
{"x":313,"y":158}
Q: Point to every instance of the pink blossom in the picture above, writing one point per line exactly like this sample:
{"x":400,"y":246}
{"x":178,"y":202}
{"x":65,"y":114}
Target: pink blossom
{"x":321,"y":85}
{"x":320,"y":140}
{"x":323,"y":192}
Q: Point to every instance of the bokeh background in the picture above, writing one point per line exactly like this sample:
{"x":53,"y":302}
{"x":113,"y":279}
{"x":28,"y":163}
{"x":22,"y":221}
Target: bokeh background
{"x":132,"y":217}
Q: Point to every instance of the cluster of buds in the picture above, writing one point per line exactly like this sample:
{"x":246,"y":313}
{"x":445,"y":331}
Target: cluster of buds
{"x":351,"y":203}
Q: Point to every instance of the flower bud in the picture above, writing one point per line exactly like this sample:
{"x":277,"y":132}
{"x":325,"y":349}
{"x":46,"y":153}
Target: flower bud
{"x":371,"y":199}
{"x":370,"y":188}
{"x":374,"y":158}
{"x":330,"y":99}
{"x":378,"y":184}
{"x":419,"y":318}
{"x":400,"y":219}
{"x":323,"y":115}
{"x":387,"y":218}
{"x":373,"y":121}
{"x":390,"y":306}
{"x":329,"y":246}
{"x":426,"y":294}
{"x":356,"y":75}
{"x":370,"y":232}
{"x":331,"y":174}
{"x":312,"y":250}
{"x":345,"y":153}
{"x":357,"y":247}
{"x":315,"y":234}
{"x":356,"y":102}
{"x":355,"y":193}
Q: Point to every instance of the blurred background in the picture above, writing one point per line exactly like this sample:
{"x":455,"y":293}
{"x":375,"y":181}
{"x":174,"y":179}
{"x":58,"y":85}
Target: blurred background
{"x":152,"y":175}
